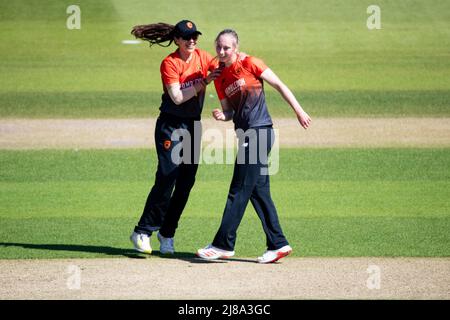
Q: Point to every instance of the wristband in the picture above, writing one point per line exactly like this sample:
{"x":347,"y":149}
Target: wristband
{"x":228,"y":114}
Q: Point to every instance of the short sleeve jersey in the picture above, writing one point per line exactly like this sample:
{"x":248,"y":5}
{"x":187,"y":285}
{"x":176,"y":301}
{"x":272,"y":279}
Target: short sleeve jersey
{"x":176,"y":70}
{"x":242,"y":86}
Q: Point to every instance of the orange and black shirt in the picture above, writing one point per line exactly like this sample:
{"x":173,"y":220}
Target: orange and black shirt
{"x":176,"y":70}
{"x":242,"y":86}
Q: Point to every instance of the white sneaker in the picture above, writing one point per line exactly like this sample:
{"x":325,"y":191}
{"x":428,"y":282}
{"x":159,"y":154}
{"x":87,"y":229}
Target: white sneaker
{"x":212,"y":253}
{"x":166,"y":244}
{"x":274,"y":255}
{"x":141,"y":242}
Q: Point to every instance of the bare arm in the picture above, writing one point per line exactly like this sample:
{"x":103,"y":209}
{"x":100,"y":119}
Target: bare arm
{"x":179,"y":96}
{"x":225,"y":114}
{"x":271,"y":78}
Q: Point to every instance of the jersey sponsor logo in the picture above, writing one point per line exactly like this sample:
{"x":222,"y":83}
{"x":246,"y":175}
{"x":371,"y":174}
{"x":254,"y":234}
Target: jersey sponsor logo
{"x":188,"y":84}
{"x":234,"y":87}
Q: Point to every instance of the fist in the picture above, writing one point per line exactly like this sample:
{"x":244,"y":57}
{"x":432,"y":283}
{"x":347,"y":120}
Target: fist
{"x":218,"y":114}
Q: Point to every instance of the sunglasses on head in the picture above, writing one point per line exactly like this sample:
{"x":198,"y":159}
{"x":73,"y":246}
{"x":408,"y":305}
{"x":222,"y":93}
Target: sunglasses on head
{"x":189,"y":37}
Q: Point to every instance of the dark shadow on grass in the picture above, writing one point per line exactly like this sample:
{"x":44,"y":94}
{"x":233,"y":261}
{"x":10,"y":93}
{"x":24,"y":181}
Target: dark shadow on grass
{"x":111,"y":251}
{"x":192,"y":258}
{"x":77,"y":248}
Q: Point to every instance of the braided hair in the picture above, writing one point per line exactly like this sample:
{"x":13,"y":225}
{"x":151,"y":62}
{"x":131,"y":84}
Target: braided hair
{"x":155,"y":33}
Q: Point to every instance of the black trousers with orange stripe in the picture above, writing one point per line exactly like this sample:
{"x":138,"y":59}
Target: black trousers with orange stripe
{"x":175,"y":175}
{"x":250,"y":182}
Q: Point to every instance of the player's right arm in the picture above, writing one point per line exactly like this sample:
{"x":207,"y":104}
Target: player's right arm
{"x":179,"y":96}
{"x":226,"y":113}
{"x":171,"y":80}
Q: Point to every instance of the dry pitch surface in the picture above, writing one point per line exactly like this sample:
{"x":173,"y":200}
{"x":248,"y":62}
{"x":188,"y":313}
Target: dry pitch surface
{"x":178,"y":279}
{"x":138,"y":133}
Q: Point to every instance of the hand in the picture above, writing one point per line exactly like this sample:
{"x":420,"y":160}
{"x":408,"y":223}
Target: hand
{"x":218,"y":114}
{"x":304,"y":119}
{"x":213,"y":75}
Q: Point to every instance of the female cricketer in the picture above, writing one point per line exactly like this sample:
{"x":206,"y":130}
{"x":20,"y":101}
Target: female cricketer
{"x":241,"y":93}
{"x":184,"y":75}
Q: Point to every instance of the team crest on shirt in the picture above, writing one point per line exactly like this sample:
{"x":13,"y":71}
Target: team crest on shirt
{"x":199,"y":67}
{"x":167,"y":144}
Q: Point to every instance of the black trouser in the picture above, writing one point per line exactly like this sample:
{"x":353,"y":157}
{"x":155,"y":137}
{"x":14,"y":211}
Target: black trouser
{"x":173,"y":180}
{"x":251,"y":182}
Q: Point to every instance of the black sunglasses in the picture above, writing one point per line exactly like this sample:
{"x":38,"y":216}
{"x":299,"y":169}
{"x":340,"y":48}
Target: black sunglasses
{"x":189,"y":37}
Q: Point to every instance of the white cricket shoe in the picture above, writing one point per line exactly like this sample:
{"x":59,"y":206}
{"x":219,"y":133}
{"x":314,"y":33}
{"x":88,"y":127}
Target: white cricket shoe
{"x":212,"y":253}
{"x":166,"y":244}
{"x":141,"y":242}
{"x":274,"y":255}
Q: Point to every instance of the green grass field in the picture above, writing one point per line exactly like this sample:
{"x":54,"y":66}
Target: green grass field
{"x":322,"y":50}
{"x":331,"y":202}
{"x":355,"y":202}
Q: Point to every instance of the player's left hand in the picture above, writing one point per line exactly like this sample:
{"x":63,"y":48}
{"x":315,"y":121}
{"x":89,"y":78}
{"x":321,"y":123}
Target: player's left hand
{"x":304,"y":119}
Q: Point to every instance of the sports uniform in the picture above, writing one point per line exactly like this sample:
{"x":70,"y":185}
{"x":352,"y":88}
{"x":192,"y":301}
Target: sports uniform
{"x":173,"y":181}
{"x":241,"y":85}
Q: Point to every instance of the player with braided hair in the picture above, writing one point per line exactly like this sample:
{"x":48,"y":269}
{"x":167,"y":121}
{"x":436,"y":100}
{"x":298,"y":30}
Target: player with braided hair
{"x":184,"y":75}
{"x":155,"y":33}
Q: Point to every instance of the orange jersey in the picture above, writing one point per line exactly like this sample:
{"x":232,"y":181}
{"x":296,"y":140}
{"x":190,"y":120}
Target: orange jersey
{"x":176,"y":70}
{"x":242,"y":86}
